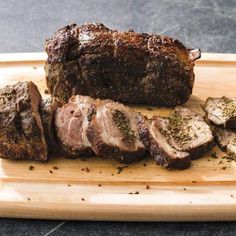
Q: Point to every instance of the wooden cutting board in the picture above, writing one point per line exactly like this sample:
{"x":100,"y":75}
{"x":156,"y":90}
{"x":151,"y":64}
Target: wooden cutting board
{"x":95,"y":189}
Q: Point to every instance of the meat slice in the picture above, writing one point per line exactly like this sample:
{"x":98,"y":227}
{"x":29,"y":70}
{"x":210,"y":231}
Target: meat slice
{"x":226,"y":140}
{"x":157,"y":143}
{"x":173,"y":141}
{"x":113,"y":132}
{"x":187,"y":131}
{"x":22,"y":135}
{"x":132,"y":67}
{"x":48,"y":107}
{"x":71,"y":122}
{"x":221,"y":111}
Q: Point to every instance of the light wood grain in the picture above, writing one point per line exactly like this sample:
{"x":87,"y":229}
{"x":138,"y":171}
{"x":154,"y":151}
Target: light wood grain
{"x":206,"y":191}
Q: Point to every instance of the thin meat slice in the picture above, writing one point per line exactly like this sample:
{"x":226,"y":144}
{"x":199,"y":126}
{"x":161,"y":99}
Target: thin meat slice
{"x":187,"y":131}
{"x":48,"y":108}
{"x":158,"y":146}
{"x":22,"y":134}
{"x":113,"y":132}
{"x":71,"y":122}
{"x":221,"y":111}
{"x":226,"y":140}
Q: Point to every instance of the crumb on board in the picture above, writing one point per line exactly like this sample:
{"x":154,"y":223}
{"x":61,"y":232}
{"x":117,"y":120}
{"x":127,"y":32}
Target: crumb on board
{"x":147,"y":187}
{"x":120,"y":169}
{"x":68,"y":185}
{"x":31,"y":167}
{"x":184,"y":189}
{"x":231,"y":195}
{"x":51,"y":171}
{"x":99,"y":185}
{"x":82,"y":199}
{"x":55,"y":167}
{"x":224,"y":167}
{"x":193,"y":181}
{"x":87,"y":169}
{"x":28,"y":198}
{"x":136,"y":192}
{"x":112,"y":174}
{"x":100,"y":172}
{"x":213,"y":155}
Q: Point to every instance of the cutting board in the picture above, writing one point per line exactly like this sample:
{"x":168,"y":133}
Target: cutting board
{"x":96,"y":189}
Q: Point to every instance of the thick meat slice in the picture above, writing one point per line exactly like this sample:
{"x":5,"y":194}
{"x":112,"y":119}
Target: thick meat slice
{"x":221,"y":111}
{"x":157,"y":143}
{"x":21,"y":130}
{"x":71,"y":122}
{"x":113,"y":132}
{"x":187,"y":131}
{"x":226,"y":140}
{"x":123,"y":66}
{"x":48,"y":107}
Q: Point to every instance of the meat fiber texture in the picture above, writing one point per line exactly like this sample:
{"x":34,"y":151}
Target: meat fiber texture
{"x":22,"y":134}
{"x":129,"y":67}
{"x":173,"y":141}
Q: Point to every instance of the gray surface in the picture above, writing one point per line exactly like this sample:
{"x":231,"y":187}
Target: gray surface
{"x":209,"y":25}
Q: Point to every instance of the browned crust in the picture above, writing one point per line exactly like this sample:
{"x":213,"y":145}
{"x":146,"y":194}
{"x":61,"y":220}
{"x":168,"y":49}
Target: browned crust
{"x":157,"y":152}
{"x":107,"y":151}
{"x":123,"y":66}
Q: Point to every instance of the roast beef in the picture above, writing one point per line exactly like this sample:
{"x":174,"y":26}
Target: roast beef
{"x":21,"y":130}
{"x":71,"y":122}
{"x":113,"y":132}
{"x":48,"y":107}
{"x":221,"y":111}
{"x":94,"y":60}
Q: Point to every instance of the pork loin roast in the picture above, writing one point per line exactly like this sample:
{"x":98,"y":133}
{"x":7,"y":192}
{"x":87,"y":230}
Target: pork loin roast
{"x":221,"y":111}
{"x":94,"y":60}
{"x":113,"y":132}
{"x":71,"y":122}
{"x":22,"y":134}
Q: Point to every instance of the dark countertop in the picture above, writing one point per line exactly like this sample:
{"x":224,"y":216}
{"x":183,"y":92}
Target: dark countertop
{"x":206,"y":24}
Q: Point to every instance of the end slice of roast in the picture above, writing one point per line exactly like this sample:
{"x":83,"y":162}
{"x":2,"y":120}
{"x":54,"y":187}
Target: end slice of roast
{"x":226,"y":140}
{"x":113,"y":132}
{"x":71,"y":122}
{"x":22,"y":134}
{"x":221,"y":111}
{"x":187,"y":131}
{"x":48,"y":108}
{"x":157,"y":144}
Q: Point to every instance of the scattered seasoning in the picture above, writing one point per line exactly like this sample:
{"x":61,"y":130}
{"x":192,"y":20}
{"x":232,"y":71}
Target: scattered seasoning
{"x":100,"y":172}
{"x":55,"y":167}
{"x":130,"y":193}
{"x":112,"y":174}
{"x":31,"y":167}
{"x":220,"y":162}
{"x":224,"y":167}
{"x":213,"y":155}
{"x":35,"y":67}
{"x":120,"y":169}
{"x":82,"y":199}
{"x":147,"y":187}
{"x":82,"y":169}
{"x":68,"y":185}
{"x":99,"y":185}
{"x":184,"y":188}
{"x":28,"y":199}
{"x":150,"y":109}
{"x":123,"y":124}
{"x":51,"y":171}
{"x":87,"y":169}
{"x":46,"y":91}
{"x":136,"y":192}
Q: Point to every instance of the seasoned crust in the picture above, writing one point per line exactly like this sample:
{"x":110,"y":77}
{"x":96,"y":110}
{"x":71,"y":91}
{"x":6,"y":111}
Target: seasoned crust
{"x":123,"y":66}
{"x":22,"y":135}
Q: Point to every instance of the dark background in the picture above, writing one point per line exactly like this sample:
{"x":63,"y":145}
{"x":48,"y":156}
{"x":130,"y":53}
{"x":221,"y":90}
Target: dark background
{"x":205,"y":24}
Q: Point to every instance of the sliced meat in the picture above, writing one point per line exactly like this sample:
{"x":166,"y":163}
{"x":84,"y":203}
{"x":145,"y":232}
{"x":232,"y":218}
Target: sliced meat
{"x":157,"y":143}
{"x":132,"y":67}
{"x":226,"y":140}
{"x":48,"y":107}
{"x":187,"y":131}
{"x":113,"y":132}
{"x":71,"y":122}
{"x":221,"y":111}
{"x":22,"y":135}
